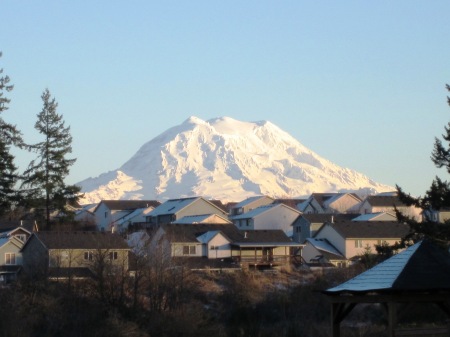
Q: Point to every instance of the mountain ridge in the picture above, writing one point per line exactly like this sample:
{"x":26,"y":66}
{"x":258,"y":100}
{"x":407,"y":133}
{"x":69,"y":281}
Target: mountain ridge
{"x":223,"y":158}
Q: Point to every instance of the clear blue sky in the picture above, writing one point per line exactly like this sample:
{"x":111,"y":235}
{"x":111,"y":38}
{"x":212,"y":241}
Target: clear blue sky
{"x":360,"y":83}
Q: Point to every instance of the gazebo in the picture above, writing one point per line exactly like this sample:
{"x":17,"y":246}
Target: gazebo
{"x":419,"y":274}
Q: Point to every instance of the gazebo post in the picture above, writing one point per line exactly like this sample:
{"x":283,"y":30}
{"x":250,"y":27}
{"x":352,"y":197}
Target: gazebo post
{"x":338,"y":312}
{"x":392,"y":318}
{"x":335,"y":322}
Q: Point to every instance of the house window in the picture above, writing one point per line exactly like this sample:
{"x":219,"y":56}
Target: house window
{"x":113,"y":255}
{"x":247,"y":222}
{"x":21,"y":237}
{"x":88,"y":256}
{"x":106,"y":214}
{"x":358,"y":244}
{"x":298,"y":229}
{"x":214,"y":247}
{"x":10,"y":258}
{"x":189,"y":250}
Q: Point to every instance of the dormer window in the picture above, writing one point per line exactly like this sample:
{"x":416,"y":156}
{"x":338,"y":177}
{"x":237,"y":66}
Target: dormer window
{"x":21,"y":237}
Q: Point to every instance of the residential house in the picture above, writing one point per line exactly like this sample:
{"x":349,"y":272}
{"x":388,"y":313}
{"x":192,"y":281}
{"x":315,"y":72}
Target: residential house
{"x":11,"y":243}
{"x":354,"y":238}
{"x":272,"y":216}
{"x":250,"y":204}
{"x":223,"y":245}
{"x":433,"y":215}
{"x":329,"y":203}
{"x":388,"y":203}
{"x":307,"y":225}
{"x":74,"y":253}
{"x":108,"y":212}
{"x":175,"y":209}
{"x":380,"y":216}
{"x":291,"y":202}
{"x":85,"y":214}
{"x":137,"y":216}
{"x":203,"y":218}
{"x":321,"y":253}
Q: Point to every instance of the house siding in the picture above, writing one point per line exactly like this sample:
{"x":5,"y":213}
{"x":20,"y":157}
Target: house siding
{"x":367,"y":245}
{"x":223,"y":245}
{"x":327,"y":232}
{"x":342,"y":204}
{"x":65,"y":258}
{"x":279,"y":217}
{"x":200,"y":207}
{"x":35,"y":256}
{"x":9,"y":247}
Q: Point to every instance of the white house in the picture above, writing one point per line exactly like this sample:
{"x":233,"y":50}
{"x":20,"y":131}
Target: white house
{"x":269,"y":217}
{"x":175,"y":209}
{"x":108,"y":212}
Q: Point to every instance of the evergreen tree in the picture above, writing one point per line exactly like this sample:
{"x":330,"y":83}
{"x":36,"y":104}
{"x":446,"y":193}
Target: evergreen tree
{"x":435,"y":199}
{"x":45,"y":175}
{"x":9,"y":136}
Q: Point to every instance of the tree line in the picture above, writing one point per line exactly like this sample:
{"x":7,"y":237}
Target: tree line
{"x":41,"y":186}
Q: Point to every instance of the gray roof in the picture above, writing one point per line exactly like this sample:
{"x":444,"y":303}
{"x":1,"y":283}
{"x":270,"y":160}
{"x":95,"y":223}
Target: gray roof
{"x":81,"y":240}
{"x":374,"y":216}
{"x":384,"y":201}
{"x":173,"y":206}
{"x":250,"y":200}
{"x":262,"y":209}
{"x":325,"y":248}
{"x":128,"y":204}
{"x":190,"y":233}
{"x":326,"y":217}
{"x":422,"y":266}
{"x":370,"y":229}
{"x":202,"y":218}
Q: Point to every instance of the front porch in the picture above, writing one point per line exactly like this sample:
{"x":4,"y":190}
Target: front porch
{"x":265,"y":256}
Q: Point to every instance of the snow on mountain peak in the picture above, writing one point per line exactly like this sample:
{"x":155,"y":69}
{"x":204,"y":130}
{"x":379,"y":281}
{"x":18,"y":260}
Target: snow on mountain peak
{"x":227,"y":159}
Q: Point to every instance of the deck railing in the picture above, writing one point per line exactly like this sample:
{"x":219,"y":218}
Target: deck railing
{"x":270,"y":259}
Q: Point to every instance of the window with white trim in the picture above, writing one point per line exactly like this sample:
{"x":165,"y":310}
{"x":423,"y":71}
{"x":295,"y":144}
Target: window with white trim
{"x":10,"y":258}
{"x":88,"y":256}
{"x":189,"y":250}
{"x":358,"y":244}
{"x":113,"y":255}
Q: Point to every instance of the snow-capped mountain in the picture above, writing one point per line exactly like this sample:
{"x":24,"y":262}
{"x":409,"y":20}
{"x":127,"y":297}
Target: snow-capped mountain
{"x":224,"y":159}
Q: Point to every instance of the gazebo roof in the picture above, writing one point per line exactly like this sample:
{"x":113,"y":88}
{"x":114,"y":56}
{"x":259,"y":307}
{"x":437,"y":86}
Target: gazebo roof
{"x":421,"y":267}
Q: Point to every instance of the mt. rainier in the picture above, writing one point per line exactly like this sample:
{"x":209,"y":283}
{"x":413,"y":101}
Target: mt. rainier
{"x":224,"y":159}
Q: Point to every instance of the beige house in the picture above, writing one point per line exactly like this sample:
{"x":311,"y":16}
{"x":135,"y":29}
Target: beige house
{"x":250,"y":204}
{"x":388,"y":204}
{"x":329,"y":203}
{"x":354,"y":238}
{"x":212,"y":245}
{"x":77,"y":252}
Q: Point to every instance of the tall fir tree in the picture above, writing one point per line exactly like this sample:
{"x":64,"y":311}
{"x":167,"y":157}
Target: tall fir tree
{"x":435,"y":199}
{"x":9,"y":136}
{"x":45,"y":175}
